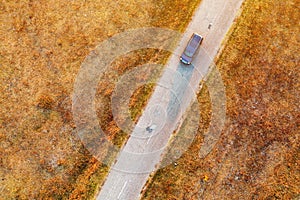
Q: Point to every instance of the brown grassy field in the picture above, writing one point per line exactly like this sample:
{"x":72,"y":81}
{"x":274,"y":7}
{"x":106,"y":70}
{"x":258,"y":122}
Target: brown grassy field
{"x":43,"y":44}
{"x":258,"y":153}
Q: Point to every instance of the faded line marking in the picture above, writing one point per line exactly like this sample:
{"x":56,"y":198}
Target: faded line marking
{"x":149,"y":138}
{"x":122,"y":190}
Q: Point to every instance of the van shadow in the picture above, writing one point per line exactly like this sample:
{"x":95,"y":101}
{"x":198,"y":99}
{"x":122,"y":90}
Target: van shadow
{"x":180,"y":87}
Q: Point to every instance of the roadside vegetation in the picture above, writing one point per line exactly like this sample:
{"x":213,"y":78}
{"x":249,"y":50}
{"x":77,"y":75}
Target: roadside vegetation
{"x":43,"y":44}
{"x":258,"y":153}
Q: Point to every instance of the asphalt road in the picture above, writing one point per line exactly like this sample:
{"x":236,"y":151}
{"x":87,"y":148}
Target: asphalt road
{"x":172,"y":96}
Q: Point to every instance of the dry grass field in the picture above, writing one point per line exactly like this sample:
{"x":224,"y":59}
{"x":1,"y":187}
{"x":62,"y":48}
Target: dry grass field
{"x":42,"y":45}
{"x":258,"y":153}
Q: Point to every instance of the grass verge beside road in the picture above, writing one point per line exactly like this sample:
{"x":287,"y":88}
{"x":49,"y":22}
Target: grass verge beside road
{"x":43,"y":44}
{"x":258,"y":153}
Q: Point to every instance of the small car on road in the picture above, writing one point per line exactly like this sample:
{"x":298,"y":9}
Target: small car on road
{"x":191,"y":48}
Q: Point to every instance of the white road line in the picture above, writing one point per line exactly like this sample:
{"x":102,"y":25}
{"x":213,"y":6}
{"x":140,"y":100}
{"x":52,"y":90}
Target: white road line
{"x":122,"y":190}
{"x":149,"y":138}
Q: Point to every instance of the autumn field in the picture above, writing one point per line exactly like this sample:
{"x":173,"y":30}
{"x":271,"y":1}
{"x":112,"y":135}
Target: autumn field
{"x":258,"y":153}
{"x":42,"y":45}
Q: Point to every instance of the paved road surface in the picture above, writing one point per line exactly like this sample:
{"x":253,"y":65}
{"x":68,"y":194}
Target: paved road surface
{"x":171,"y":98}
